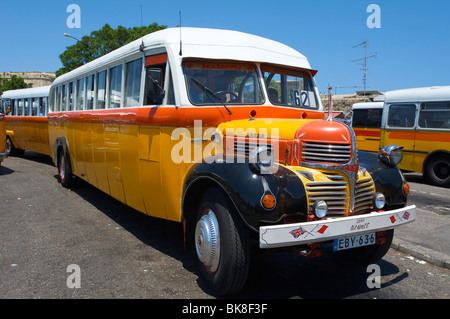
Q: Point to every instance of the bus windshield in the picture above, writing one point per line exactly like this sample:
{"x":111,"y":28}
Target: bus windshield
{"x":289,"y":87}
{"x":227,"y":82}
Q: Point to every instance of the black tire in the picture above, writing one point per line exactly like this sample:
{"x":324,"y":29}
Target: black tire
{"x":369,"y":254}
{"x":12,"y":150}
{"x":64,"y":169}
{"x":224,"y":260}
{"x":437,"y":170}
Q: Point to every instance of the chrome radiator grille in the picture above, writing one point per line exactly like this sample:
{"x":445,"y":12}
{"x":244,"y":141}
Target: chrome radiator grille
{"x":365,"y":189}
{"x":245,"y":148}
{"x":326,"y":153}
{"x":335,"y":193}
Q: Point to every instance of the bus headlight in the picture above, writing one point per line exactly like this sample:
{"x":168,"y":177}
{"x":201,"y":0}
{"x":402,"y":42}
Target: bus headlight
{"x":391,"y":154}
{"x":320,"y":209}
{"x":262,"y":159}
{"x":379,"y":201}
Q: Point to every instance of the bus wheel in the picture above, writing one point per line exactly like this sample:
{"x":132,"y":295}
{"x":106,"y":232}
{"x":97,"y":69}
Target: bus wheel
{"x":8,"y":146}
{"x":369,"y":254}
{"x":221,"y":244}
{"x":437,"y":171}
{"x":64,"y":170}
{"x":11,"y":150}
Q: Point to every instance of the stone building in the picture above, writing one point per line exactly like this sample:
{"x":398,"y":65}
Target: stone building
{"x":37,"y":79}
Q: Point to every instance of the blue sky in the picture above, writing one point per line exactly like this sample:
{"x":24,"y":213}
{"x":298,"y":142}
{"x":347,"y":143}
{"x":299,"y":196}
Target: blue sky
{"x":412,"y":45}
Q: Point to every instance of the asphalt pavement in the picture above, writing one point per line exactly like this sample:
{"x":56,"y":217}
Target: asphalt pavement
{"x":427,"y":238}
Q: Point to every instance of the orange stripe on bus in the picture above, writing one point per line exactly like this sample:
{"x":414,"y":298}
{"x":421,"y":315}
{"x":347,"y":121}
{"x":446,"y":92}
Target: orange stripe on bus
{"x":32,"y":119}
{"x":178,"y":117}
{"x":367,"y":133}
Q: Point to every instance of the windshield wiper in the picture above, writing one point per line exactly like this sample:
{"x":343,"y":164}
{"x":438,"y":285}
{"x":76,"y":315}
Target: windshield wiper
{"x":208,"y":91}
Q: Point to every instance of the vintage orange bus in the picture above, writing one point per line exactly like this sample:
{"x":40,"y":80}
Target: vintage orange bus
{"x":223,"y":132}
{"x":26,"y":120}
{"x":419,"y":121}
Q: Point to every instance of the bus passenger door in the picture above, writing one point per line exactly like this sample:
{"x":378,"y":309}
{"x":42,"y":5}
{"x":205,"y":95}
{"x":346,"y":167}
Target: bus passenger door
{"x":150,"y":148}
{"x":400,"y":129}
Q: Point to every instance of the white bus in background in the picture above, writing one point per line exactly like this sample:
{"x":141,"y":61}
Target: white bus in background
{"x":366,"y":122}
{"x":416,"y":119}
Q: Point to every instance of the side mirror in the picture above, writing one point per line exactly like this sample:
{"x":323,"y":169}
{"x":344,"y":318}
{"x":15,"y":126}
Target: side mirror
{"x":155,"y":92}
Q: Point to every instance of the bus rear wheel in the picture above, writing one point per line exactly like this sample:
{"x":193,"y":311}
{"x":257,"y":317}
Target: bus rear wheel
{"x":11,"y":150}
{"x":221,"y":244}
{"x":437,"y":170}
{"x":64,"y":169}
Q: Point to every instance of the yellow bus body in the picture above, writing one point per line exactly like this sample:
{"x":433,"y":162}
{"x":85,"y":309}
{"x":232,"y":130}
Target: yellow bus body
{"x":28,"y":133}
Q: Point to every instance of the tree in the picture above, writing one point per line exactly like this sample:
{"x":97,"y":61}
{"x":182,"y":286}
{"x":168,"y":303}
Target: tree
{"x":101,"y":42}
{"x":15,"y":83}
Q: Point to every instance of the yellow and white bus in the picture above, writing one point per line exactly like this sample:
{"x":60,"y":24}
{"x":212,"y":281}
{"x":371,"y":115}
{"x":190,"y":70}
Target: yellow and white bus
{"x":223,"y":132}
{"x":419,"y":121}
{"x":366,"y":122}
{"x":26,"y":120}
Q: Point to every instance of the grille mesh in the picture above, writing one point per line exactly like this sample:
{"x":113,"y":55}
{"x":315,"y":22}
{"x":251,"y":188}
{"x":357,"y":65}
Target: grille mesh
{"x":335,"y":193}
{"x":326,"y":153}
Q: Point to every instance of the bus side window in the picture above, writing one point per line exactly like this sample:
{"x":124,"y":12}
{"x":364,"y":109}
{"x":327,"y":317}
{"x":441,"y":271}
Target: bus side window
{"x":27,"y":107}
{"x":115,"y":86}
{"x":434,"y":115}
{"x":34,"y":106}
{"x":155,"y":68}
{"x":154,"y":86}
{"x":133,"y":83}
{"x":402,"y":115}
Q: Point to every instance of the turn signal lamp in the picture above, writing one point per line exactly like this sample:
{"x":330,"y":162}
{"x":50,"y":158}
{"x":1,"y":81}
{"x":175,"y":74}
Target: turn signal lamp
{"x":268,"y":201}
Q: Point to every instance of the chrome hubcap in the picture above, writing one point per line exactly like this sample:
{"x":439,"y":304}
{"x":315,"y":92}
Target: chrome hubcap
{"x":62,"y":166}
{"x":8,"y":146}
{"x":207,"y":241}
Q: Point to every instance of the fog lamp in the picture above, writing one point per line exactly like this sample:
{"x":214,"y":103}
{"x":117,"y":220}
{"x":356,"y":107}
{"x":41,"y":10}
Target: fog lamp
{"x":320,"y":209}
{"x":379,"y":201}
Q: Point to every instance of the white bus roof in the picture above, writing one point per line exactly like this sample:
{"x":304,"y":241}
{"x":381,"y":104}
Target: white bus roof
{"x":200,"y":43}
{"x":434,"y":93}
{"x":41,"y":91}
{"x":368,"y":105}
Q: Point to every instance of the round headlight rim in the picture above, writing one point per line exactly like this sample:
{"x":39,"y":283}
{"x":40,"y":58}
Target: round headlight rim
{"x":376,"y":199}
{"x":315,"y":209}
{"x":262,"y":165}
{"x":388,"y":154}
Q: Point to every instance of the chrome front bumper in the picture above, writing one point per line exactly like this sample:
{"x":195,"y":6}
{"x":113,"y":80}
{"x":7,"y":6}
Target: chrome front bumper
{"x":333,"y":228}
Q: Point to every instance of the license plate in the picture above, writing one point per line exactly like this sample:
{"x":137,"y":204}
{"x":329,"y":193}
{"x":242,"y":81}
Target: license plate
{"x":354,"y":241}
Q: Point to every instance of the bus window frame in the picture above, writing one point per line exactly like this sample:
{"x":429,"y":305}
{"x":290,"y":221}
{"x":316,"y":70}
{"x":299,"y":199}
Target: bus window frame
{"x":388,"y":114}
{"x":420,"y":109}
{"x":377,"y":109}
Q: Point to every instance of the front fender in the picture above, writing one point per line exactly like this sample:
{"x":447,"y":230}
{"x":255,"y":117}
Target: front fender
{"x":246,"y":187}
{"x":388,"y":179}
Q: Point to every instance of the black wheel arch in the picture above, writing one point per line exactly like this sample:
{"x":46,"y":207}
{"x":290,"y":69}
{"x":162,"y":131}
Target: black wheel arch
{"x":388,"y":179}
{"x":244,"y":187}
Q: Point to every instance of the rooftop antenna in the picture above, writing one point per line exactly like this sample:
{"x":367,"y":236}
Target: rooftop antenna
{"x":181,"y":43}
{"x":364,"y":64}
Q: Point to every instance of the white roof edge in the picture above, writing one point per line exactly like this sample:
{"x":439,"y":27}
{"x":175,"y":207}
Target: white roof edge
{"x":201,"y":43}
{"x":368,"y":105}
{"x":41,"y":91}
{"x":432,"y":93}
